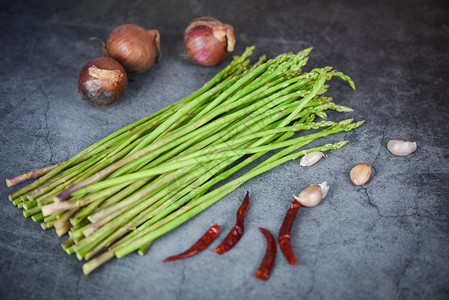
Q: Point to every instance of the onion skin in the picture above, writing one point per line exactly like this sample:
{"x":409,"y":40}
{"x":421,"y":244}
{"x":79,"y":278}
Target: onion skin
{"x":134,"y":47}
{"x":208,"y":41}
{"x":102,"y":82}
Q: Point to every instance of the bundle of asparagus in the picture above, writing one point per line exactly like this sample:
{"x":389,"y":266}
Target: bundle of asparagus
{"x":133,"y":186}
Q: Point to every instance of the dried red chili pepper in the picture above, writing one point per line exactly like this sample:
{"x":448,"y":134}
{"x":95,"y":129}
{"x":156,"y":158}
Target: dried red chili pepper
{"x":270,"y":254}
{"x":284,"y":233}
{"x":236,"y":232}
{"x":200,"y":245}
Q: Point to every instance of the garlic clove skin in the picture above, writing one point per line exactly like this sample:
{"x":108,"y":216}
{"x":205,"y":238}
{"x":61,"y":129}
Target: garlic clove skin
{"x":360,"y":173}
{"x":401,"y":148}
{"x":313,"y":194}
{"x":311,"y":158}
{"x":324,"y":188}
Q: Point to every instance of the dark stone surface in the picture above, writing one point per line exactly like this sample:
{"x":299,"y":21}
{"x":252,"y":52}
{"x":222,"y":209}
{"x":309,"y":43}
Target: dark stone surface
{"x":387,"y":239}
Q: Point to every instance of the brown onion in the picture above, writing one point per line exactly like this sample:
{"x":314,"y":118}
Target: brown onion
{"x":134,"y":47}
{"x":102,"y":81}
{"x":208,"y":41}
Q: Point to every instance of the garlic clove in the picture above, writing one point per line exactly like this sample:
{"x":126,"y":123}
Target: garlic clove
{"x":313,"y":194}
{"x":401,"y":148}
{"x":360,"y":173}
{"x":311,"y":158}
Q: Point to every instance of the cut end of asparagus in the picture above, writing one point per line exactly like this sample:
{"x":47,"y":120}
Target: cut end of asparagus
{"x":144,"y":249}
{"x":60,"y":231}
{"x":16,"y":201}
{"x":47,"y":209}
{"x":96,"y":262}
{"x":47,"y":225}
{"x":10,"y":183}
{"x":68,"y":243}
{"x":37,"y":217}
{"x":69,"y":250}
{"x":52,"y":208}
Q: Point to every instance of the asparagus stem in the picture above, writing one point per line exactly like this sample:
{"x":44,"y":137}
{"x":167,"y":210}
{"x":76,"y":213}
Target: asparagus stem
{"x":37,"y":217}
{"x":67,"y":243}
{"x":198,"y":159}
{"x":175,"y":205}
{"x":29,"y":175}
{"x":168,"y":207}
{"x":147,"y":211}
{"x":29,"y":212}
{"x":98,"y":261}
{"x":63,"y":219}
{"x":144,"y":248}
{"x":193,"y":208}
{"x":65,"y":205}
{"x":167,"y":109}
{"x":47,"y":225}
{"x":181,"y":135}
{"x":104,"y":229}
{"x":17,"y":201}
{"x":61,"y":230}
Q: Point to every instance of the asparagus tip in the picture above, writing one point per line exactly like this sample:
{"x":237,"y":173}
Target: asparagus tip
{"x":340,"y":144}
{"x":360,"y":123}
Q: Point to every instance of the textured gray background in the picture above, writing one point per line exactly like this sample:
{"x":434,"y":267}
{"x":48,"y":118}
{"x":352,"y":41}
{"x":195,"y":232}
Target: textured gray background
{"x":387,"y":239}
